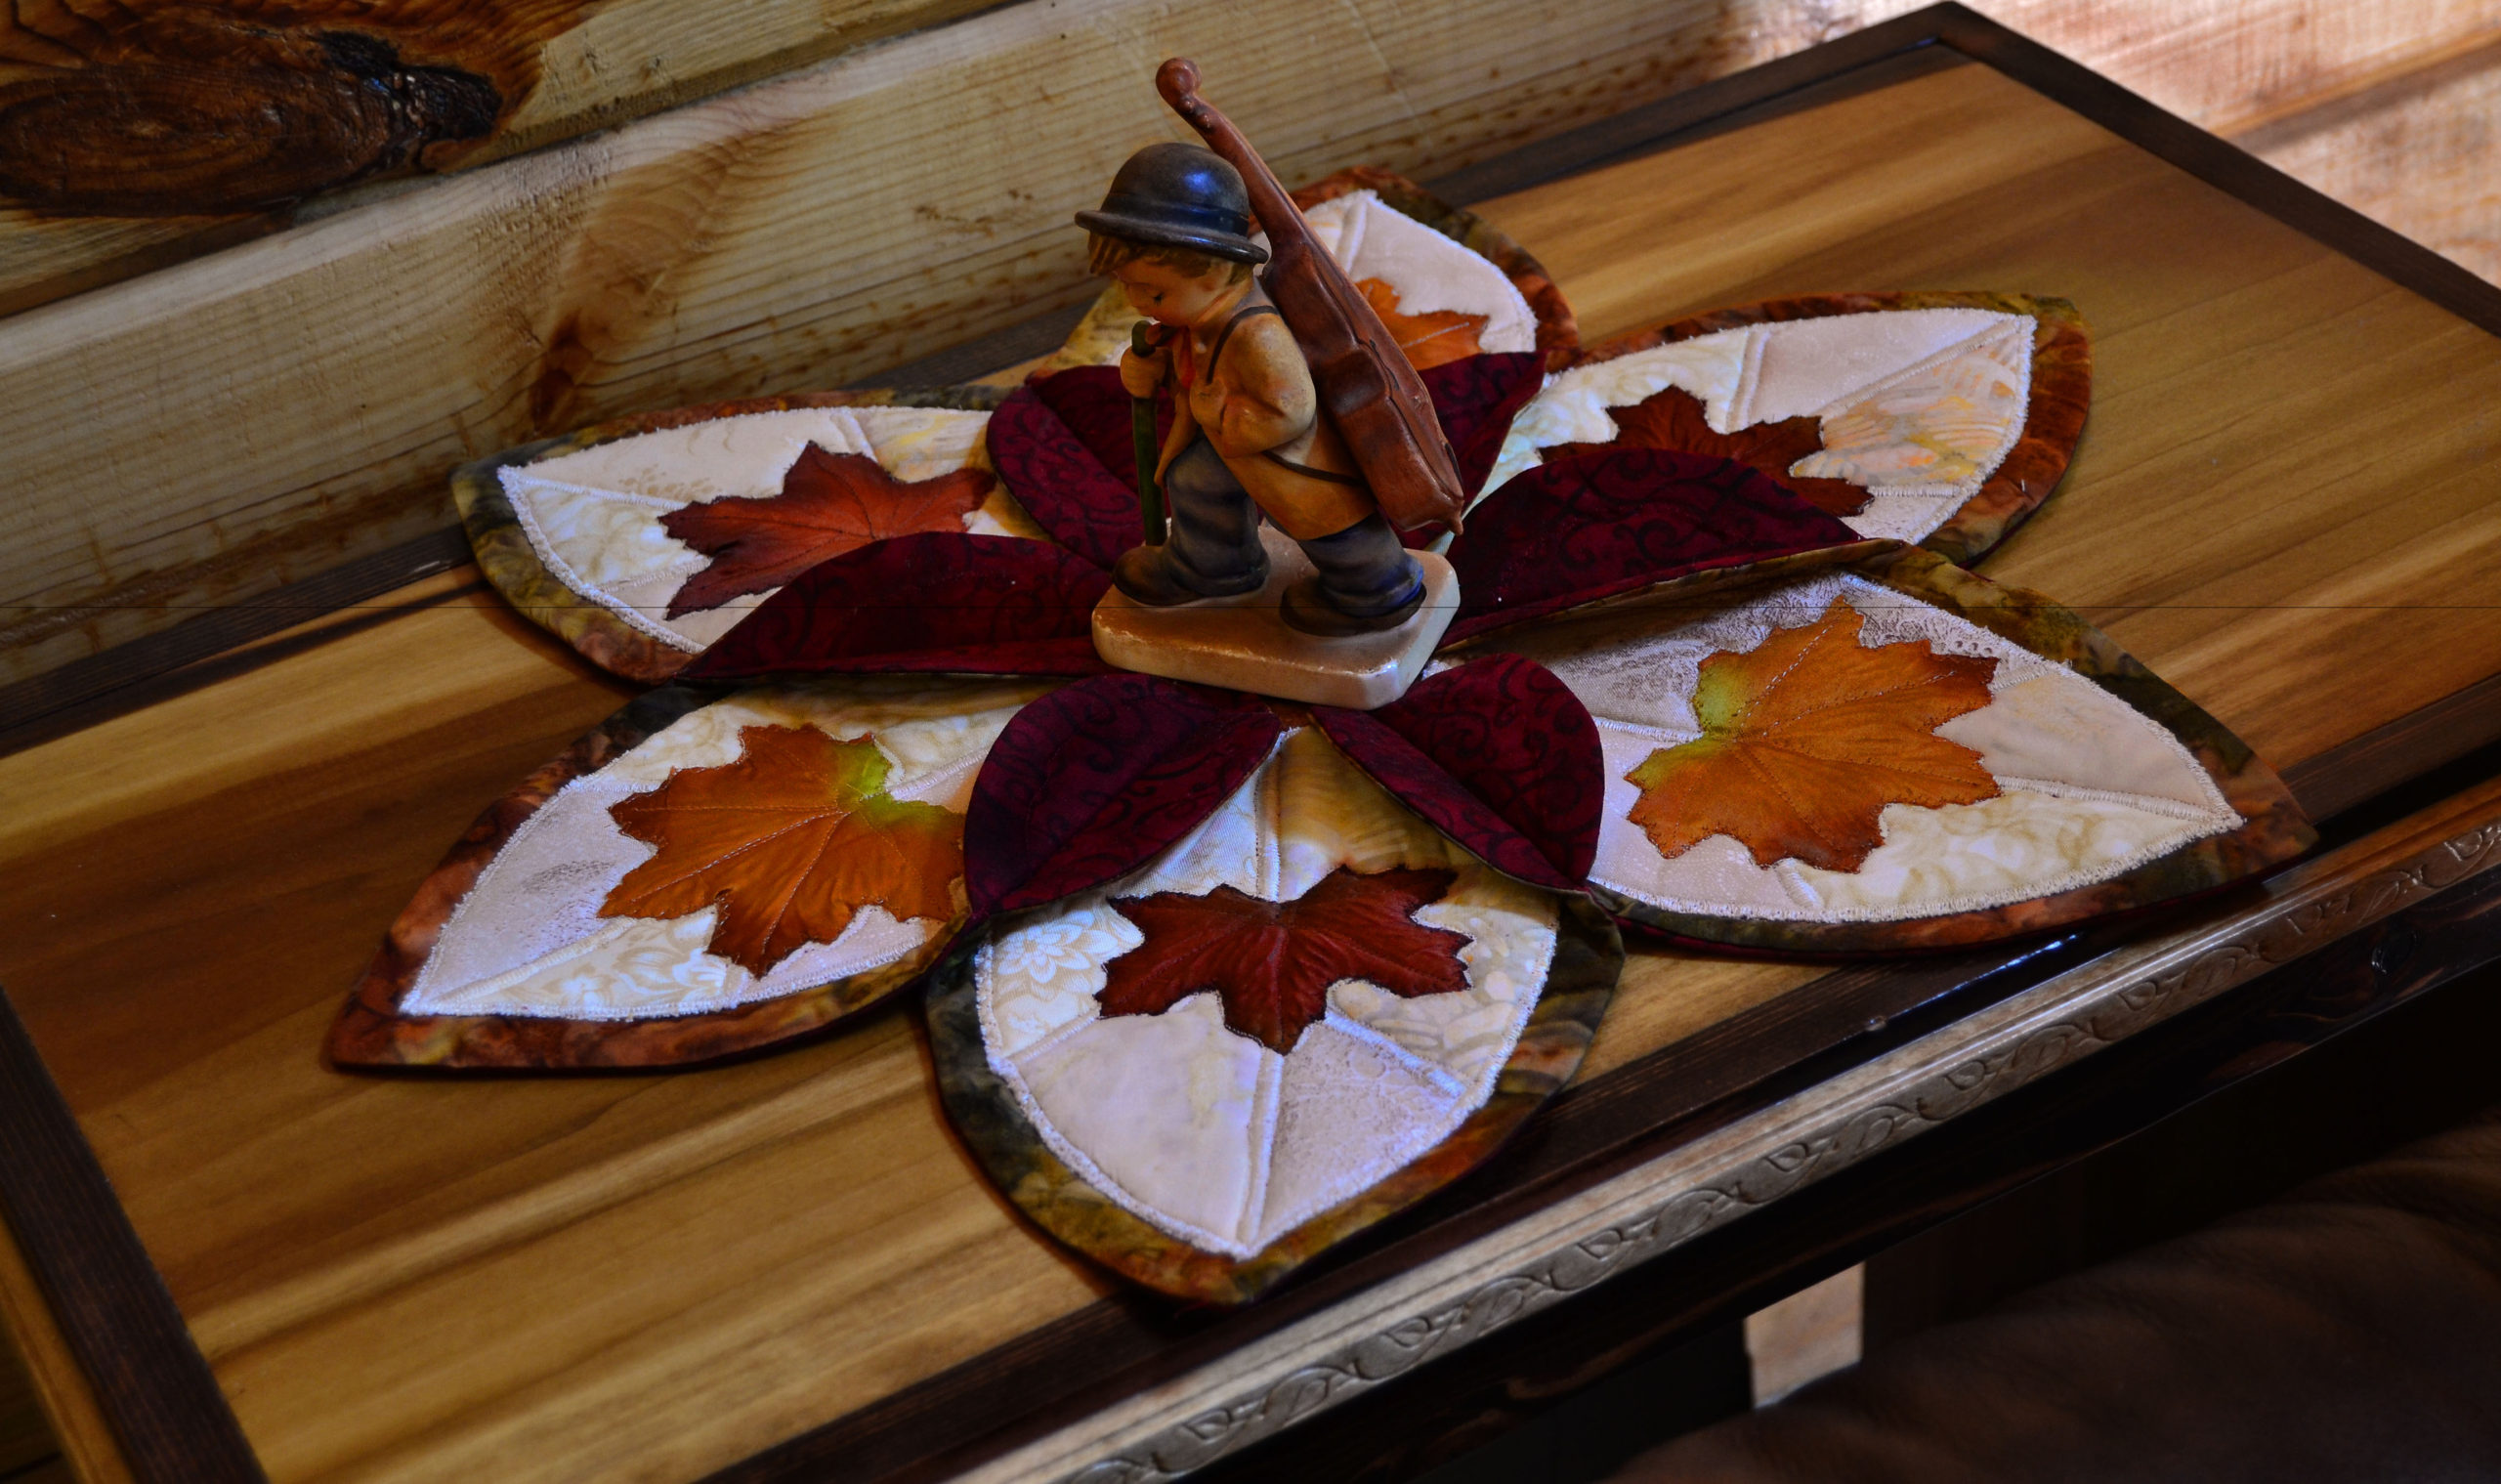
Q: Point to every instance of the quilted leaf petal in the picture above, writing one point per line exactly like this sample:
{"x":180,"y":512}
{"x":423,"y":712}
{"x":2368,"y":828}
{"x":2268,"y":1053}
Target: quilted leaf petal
{"x":1062,"y":480}
{"x":1091,"y":782}
{"x":1499,"y":754}
{"x":1598,"y":526}
{"x":1305,"y":1014}
{"x":848,"y":886}
{"x":964,"y":603}
{"x":1896,"y":754}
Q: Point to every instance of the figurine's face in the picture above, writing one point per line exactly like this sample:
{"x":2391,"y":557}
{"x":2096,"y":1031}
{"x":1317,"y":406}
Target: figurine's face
{"x":1168,"y":295}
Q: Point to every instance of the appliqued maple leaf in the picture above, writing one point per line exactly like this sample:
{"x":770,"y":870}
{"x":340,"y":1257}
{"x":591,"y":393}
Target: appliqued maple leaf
{"x":789,"y":841}
{"x":1808,"y":737}
{"x":1433,"y":338}
{"x":1674,"y":419}
{"x":1272,"y":962}
{"x":830,"y":503}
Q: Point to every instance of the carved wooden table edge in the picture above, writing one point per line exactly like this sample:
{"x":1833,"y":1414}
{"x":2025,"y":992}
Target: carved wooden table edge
{"x":1600,"y":1233}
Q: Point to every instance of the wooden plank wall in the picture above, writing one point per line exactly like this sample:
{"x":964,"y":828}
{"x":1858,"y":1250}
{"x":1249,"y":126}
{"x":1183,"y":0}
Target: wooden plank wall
{"x":219,"y":427}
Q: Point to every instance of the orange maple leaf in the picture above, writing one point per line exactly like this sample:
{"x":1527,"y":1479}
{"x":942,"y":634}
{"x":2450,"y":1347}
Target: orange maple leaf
{"x":830,"y":503}
{"x":1808,"y":737}
{"x":1430,"y":339}
{"x":1674,"y":419}
{"x":789,"y":842}
{"x":1272,"y":962}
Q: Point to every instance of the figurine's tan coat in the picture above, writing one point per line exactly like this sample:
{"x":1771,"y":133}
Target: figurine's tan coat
{"x":1255,"y":401}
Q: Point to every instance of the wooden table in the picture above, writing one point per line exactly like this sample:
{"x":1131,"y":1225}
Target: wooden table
{"x":2286,"y":502}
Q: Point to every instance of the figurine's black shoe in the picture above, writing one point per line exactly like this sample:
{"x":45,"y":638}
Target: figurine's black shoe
{"x":1153,"y":576}
{"x":1307,"y":610}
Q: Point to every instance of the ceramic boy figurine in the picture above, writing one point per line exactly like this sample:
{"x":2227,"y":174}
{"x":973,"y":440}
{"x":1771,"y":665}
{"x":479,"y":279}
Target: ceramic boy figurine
{"x":1247,"y":438}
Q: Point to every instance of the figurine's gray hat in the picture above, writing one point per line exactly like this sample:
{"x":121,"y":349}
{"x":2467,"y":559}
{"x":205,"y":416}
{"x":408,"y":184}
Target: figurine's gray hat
{"x":1180,"y":195}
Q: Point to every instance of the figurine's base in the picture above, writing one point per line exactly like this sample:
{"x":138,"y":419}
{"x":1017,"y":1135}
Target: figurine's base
{"x":1243,"y":644}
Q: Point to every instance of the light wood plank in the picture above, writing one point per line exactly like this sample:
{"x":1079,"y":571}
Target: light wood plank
{"x":2420,"y":155}
{"x":647,"y":1277}
{"x":2227,"y":64}
{"x":236,"y":422}
{"x":549,"y":69}
{"x":218,"y":429}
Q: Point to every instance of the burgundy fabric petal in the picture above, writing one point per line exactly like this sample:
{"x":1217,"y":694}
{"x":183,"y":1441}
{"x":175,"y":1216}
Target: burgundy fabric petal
{"x":1597,"y":525}
{"x":931,"y":602}
{"x":1062,"y":444}
{"x":1477,"y":397}
{"x":1498,"y":754}
{"x":1088,"y":784}
{"x":1094,"y":405}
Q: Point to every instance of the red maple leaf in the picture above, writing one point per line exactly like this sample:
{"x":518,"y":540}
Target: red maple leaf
{"x":830,"y":503}
{"x":1674,"y":419}
{"x":1273,"y":962}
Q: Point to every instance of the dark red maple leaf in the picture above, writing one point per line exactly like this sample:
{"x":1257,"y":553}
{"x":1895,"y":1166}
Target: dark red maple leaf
{"x":1674,"y":419}
{"x":1273,"y":962}
{"x":830,"y":503}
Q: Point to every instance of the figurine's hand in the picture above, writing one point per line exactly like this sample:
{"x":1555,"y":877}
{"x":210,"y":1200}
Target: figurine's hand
{"x":1141,"y":374}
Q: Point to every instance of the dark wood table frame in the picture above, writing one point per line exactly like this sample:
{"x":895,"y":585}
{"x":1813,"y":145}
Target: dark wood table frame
{"x":173,"y":1422}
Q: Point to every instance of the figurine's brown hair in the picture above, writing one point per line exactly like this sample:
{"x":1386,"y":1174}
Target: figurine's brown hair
{"x":1105,"y":254}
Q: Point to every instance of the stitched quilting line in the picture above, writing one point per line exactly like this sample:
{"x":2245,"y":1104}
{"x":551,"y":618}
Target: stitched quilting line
{"x":737,"y":982}
{"x":2067,"y":880}
{"x":566,"y":573}
{"x":1005,"y":1069}
{"x":1257,"y":1225}
{"x":425,"y":996}
{"x":1267,"y":1108}
{"x":2020,"y":374}
{"x":1893,"y":618}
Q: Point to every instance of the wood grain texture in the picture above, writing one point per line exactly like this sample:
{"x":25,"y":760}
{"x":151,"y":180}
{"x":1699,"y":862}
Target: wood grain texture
{"x":114,"y":1318}
{"x":550,"y":69}
{"x":659,"y":1276}
{"x":131,"y":136}
{"x":2230,"y":67}
{"x":52,"y":1411}
{"x":804,"y":232}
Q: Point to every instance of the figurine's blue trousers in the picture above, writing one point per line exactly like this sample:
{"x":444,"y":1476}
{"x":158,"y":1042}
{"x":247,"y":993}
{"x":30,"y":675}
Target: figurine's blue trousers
{"x":1214,"y":543}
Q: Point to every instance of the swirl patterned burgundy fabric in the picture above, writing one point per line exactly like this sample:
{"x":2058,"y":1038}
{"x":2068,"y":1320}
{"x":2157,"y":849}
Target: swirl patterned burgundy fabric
{"x":1498,"y":755}
{"x":1091,"y":402}
{"x":1595,"y":525}
{"x":1475,"y":397}
{"x":1062,"y":446}
{"x":1088,"y":784}
{"x":931,"y":602}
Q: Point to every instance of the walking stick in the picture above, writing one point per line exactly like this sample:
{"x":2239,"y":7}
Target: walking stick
{"x":1144,"y":340}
